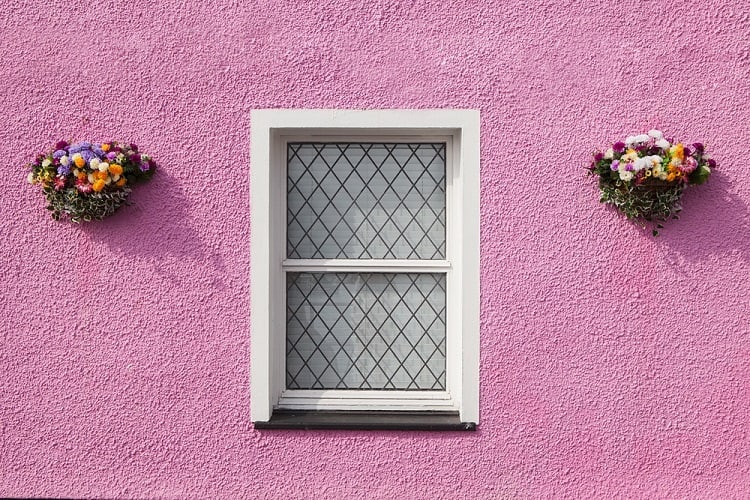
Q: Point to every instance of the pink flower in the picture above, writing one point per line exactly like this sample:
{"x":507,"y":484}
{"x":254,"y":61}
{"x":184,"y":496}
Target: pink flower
{"x":690,"y":165}
{"x":83,"y":186}
{"x":59,"y":183}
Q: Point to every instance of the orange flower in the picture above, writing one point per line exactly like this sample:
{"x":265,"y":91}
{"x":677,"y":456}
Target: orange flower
{"x":98,"y":185}
{"x":115,"y":169}
{"x":100,"y":175}
{"x":121,"y":182}
{"x":105,"y":147}
{"x":82,"y":176}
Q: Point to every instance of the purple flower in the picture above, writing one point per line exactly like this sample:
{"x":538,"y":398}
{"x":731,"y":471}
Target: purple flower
{"x":145,"y":166}
{"x":98,"y":151}
{"x":61,"y":145}
{"x":698,"y":147}
{"x":598,"y":157}
{"x":618,"y":147}
{"x":629,"y":167}
{"x":59,"y":153}
{"x":111,"y":155}
{"x":711,"y":163}
{"x":134,"y":147}
{"x":85,"y":145}
{"x":136,"y":158}
{"x":63,"y":170}
{"x":87,"y":154}
{"x":615,"y":165}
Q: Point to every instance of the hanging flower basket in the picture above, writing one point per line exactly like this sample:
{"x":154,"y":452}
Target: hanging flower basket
{"x":89,"y":181}
{"x":644,"y":177}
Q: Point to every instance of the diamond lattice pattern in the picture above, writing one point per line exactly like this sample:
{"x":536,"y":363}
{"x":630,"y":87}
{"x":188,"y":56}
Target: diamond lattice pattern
{"x":365,"y":201}
{"x":365,"y":331}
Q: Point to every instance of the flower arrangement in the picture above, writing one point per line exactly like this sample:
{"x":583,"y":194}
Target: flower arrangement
{"x":87,"y":181}
{"x":644,"y":177}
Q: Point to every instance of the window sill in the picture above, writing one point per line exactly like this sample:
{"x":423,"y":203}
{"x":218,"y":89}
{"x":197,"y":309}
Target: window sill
{"x":366,"y":420}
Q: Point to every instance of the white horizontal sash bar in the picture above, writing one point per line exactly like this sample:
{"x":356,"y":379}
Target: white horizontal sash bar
{"x":365,"y":265}
{"x":366,"y":399}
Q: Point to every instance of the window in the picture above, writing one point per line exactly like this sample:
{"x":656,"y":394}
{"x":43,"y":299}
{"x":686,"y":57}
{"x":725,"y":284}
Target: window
{"x":365,"y":268}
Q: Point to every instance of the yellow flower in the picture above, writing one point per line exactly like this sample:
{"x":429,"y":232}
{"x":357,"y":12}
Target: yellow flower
{"x":105,"y":147}
{"x":629,"y":156}
{"x":115,"y":169}
{"x":98,"y":185}
{"x":648,"y":173}
{"x":671,"y":176}
{"x":121,"y":182}
{"x":678,"y":151}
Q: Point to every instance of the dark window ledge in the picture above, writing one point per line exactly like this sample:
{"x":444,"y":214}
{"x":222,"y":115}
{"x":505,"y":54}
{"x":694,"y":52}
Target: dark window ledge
{"x":366,"y":420}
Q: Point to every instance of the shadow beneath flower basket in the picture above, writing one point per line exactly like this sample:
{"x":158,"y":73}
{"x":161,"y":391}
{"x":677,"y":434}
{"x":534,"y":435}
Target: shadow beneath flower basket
{"x":155,"y":229}
{"x":714,"y":223}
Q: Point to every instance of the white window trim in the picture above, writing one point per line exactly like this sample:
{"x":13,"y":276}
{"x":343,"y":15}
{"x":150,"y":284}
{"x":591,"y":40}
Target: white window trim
{"x":271,"y":129}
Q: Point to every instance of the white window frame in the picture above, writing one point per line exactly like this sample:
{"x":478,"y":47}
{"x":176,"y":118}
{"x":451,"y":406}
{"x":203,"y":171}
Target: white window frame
{"x":271,"y":130}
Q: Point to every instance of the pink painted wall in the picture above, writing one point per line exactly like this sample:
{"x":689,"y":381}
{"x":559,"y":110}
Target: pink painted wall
{"x":613,"y":363}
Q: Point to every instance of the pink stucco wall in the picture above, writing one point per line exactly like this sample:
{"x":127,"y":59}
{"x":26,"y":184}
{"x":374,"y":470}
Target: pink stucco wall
{"x":613,"y":363}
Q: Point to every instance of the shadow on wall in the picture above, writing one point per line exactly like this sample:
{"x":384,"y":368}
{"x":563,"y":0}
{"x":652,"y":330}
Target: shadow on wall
{"x":715,"y":223}
{"x":156,"y":228}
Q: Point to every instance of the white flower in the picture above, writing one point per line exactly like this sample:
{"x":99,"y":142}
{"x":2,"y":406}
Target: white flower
{"x":642,"y":138}
{"x":664,"y":144}
{"x":30,"y":177}
{"x":609,"y":154}
{"x":629,"y":140}
{"x":76,"y":172}
{"x":641,"y":163}
{"x":675,"y":162}
{"x":64,"y":160}
{"x":47,"y":162}
{"x":656,"y":134}
{"x":91,"y":178}
{"x":103,"y":166}
{"x":626,"y":175}
{"x":116,"y":177}
{"x":94,"y":163}
{"x":108,"y":181}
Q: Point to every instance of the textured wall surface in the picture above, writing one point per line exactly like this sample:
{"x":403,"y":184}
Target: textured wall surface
{"x":613,"y":363}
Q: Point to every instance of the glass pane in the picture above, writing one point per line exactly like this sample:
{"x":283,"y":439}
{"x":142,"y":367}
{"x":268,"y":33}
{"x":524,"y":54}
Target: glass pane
{"x":365,"y":331}
{"x":365,"y":201}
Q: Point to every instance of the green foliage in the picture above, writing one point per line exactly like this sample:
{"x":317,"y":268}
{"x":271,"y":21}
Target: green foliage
{"x":78,"y":206}
{"x":645,"y":201}
{"x":700,"y":175}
